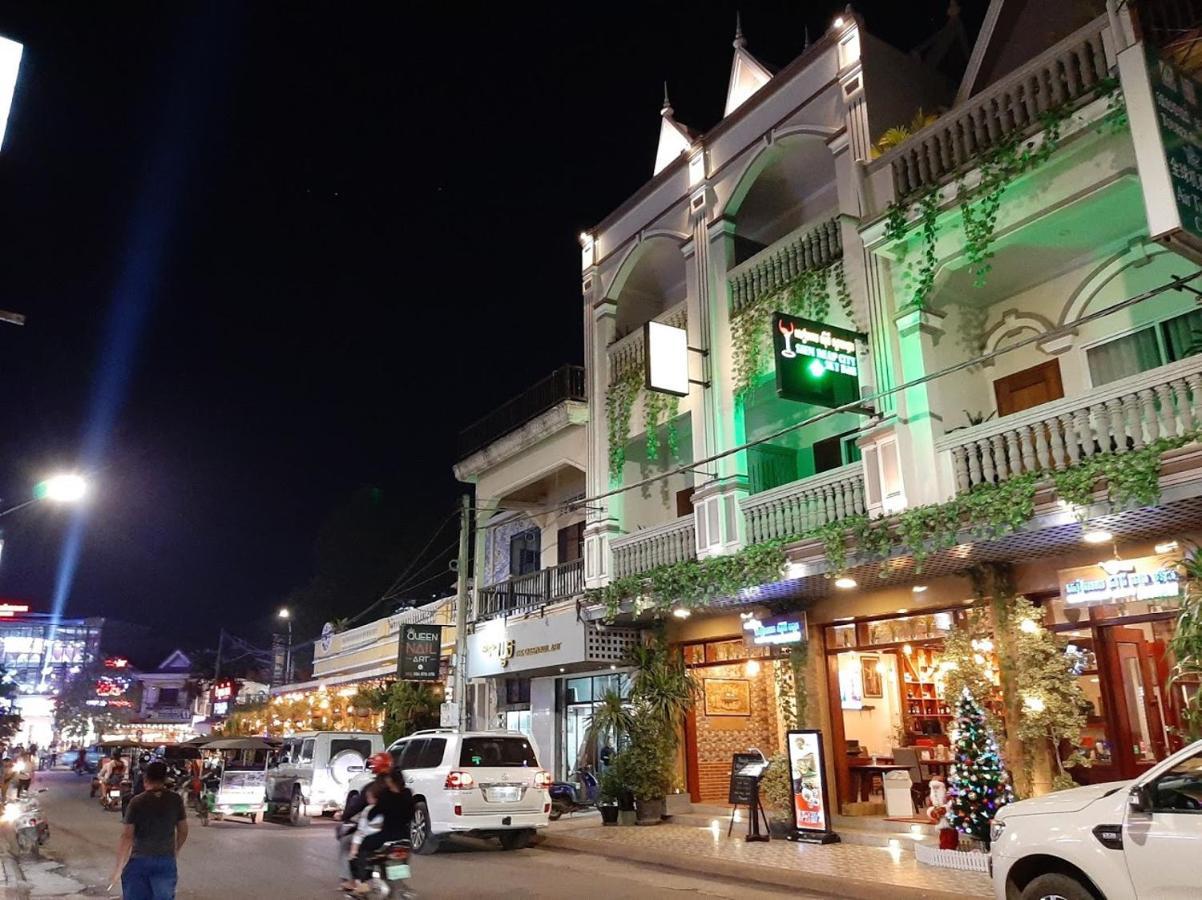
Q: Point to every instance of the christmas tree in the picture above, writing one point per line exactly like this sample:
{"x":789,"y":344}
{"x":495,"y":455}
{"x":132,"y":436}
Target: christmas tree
{"x":978,"y":785}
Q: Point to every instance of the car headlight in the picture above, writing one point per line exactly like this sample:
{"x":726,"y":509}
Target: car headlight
{"x":996,"y":828}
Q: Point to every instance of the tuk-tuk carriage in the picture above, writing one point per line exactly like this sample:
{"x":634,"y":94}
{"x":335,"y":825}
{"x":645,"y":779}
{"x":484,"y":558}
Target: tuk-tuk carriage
{"x":234,"y":778}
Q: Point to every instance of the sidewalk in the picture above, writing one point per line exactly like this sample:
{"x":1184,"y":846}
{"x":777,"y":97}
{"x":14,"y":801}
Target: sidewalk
{"x":841,"y":870}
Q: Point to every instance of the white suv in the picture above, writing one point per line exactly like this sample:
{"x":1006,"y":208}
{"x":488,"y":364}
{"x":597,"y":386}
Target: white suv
{"x":313,"y":771}
{"x":484,"y":783}
{"x":1125,"y":839}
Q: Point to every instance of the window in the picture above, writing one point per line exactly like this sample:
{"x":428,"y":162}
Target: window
{"x":410,"y":754}
{"x":1180,"y":788}
{"x":168,"y":696}
{"x":1182,"y":335}
{"x":1129,"y":355}
{"x":1031,"y":387}
{"x":306,"y":752}
{"x":431,"y":753}
{"x":570,"y":544}
{"x":492,"y":752}
{"x":525,"y":551}
{"x":517,"y":691}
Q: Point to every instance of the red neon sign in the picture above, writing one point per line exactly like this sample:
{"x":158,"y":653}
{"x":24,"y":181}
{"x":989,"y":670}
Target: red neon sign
{"x":8,"y":610}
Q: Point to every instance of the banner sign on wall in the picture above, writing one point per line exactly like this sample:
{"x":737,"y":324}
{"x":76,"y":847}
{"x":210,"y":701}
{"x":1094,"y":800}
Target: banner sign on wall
{"x":1149,"y":578}
{"x":419,"y":652}
{"x":788,"y":630}
{"x":815,"y":363}
{"x":807,"y":775}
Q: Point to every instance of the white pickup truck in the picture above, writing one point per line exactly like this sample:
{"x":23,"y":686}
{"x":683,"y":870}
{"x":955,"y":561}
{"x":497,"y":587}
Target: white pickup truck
{"x":1125,"y":839}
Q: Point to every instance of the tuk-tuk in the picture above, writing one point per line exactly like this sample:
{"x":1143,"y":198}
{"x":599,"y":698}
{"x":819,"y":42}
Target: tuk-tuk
{"x":234,"y":778}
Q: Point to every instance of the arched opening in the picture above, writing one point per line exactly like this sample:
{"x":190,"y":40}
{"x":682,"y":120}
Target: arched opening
{"x":652,"y":283}
{"x":790,"y":184}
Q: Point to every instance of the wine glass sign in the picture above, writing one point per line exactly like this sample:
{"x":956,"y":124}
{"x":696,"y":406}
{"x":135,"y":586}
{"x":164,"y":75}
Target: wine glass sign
{"x":815,"y":363}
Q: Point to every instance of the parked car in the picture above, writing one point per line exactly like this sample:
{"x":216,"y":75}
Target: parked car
{"x":314,"y":770}
{"x":483,"y":783}
{"x":1120,"y":840}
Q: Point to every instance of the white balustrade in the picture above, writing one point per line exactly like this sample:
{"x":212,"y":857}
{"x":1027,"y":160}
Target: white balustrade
{"x":1063,"y":74}
{"x":627,"y":352}
{"x":1118,"y":417}
{"x":809,"y":247}
{"x":650,"y":548}
{"x":804,"y":505}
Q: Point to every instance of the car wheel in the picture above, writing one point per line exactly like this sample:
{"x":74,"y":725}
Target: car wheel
{"x":517,"y":840}
{"x":296,"y":809}
{"x":1055,"y":886}
{"x":420,"y":837}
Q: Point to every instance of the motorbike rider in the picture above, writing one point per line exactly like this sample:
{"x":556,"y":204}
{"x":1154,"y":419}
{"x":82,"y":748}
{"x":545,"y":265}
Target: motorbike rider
{"x":394,"y":810}
{"x":112,"y":777}
{"x":380,"y":765}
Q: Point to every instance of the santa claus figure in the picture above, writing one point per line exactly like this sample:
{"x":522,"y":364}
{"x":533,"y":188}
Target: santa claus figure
{"x":937,"y":812}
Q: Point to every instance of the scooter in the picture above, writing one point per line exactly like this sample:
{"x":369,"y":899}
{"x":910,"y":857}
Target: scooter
{"x":31,"y":828}
{"x":567,"y":797}
{"x":112,"y":795}
{"x":390,"y":872}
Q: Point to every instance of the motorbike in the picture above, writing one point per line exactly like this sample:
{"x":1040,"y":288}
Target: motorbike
{"x":112,"y":795}
{"x":567,"y":797}
{"x":390,"y":872}
{"x":29,"y":825}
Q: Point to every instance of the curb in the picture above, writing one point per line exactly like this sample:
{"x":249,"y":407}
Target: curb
{"x":836,"y":886}
{"x":12,"y":879}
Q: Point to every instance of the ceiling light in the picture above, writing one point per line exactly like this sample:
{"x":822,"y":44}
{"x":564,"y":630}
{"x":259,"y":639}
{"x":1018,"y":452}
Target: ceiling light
{"x":752,"y":668}
{"x":681,"y":613}
{"x":903,"y":610}
{"x":1097,"y":536}
{"x":838,"y":23}
{"x":845,"y":583}
{"x":1166,"y":547}
{"x":919,"y":588}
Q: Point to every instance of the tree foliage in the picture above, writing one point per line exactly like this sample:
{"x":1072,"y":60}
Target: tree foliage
{"x":408,"y":706}
{"x":75,"y":709}
{"x":1186,"y":643}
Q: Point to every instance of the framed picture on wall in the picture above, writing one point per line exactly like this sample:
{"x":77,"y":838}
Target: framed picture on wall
{"x":871,"y":676}
{"x":727,"y":696}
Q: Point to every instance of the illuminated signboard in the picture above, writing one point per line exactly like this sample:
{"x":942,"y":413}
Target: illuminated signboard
{"x":8,"y":610}
{"x":787,"y":630}
{"x":1149,"y":578}
{"x":419,"y":652}
{"x":807,"y":775}
{"x":116,"y":662}
{"x":112,"y":686}
{"x":224,"y":691}
{"x":667,"y":355}
{"x":815,"y":363}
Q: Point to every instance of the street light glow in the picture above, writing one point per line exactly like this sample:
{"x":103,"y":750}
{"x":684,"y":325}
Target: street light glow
{"x":66,"y":488}
{"x":284,"y":614}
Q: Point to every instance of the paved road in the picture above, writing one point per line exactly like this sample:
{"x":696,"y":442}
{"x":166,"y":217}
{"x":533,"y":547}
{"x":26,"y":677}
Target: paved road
{"x":235,"y":859}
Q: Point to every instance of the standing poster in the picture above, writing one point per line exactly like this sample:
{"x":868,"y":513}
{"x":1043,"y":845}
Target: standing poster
{"x":419,"y":652}
{"x":807,"y":776}
{"x":279,"y":657}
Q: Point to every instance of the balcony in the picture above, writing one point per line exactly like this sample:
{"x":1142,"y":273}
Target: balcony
{"x":809,"y":247}
{"x":1066,"y":73}
{"x":1124,"y":415}
{"x":628,"y":352}
{"x":804,"y":505}
{"x":530,"y":592}
{"x":650,"y":548}
{"x":564,"y":384}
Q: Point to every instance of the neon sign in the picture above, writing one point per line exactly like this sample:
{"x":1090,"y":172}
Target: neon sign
{"x":8,"y":610}
{"x":815,"y":363}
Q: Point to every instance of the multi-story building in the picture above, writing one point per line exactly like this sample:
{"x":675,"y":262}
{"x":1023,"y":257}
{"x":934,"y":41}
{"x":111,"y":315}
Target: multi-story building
{"x":878,"y":328}
{"x":533,"y":665}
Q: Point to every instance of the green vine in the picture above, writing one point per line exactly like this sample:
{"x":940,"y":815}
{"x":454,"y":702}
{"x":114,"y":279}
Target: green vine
{"x":619,"y":402}
{"x":1132,"y":478}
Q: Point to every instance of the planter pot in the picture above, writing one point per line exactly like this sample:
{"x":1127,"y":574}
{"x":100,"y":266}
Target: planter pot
{"x":627,"y":817}
{"x":678,"y":805}
{"x":609,"y":813}
{"x":650,"y":812}
{"x":626,"y":801}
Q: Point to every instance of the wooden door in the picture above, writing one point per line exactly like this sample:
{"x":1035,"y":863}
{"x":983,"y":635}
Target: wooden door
{"x":1135,"y":699}
{"x":1031,"y":387}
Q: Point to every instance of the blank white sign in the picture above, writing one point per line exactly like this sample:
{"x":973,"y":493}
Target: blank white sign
{"x":10,"y":62}
{"x":667,"y":359}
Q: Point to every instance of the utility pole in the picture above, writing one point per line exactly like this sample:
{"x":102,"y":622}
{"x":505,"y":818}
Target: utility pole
{"x":217,"y":665}
{"x":461,"y":600}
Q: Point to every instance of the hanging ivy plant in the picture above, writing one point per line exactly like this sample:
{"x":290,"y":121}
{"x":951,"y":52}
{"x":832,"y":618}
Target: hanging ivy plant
{"x":619,"y":402}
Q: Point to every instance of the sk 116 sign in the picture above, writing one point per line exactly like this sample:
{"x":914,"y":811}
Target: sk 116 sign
{"x":815,"y":363}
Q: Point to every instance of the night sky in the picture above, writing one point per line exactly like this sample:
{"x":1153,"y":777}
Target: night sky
{"x":274,"y":254}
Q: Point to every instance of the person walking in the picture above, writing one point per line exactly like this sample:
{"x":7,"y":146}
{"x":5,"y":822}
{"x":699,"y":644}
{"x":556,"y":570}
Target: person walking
{"x":25,"y":766}
{"x":156,"y":827}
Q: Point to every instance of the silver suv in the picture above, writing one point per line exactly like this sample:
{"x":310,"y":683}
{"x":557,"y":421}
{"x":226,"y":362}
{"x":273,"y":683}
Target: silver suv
{"x":314,"y":770}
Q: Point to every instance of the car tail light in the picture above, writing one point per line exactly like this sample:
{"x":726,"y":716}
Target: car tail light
{"x":460,"y":781}
{"x":458,"y":810}
{"x":542,"y":780}
{"x":399,"y":853}
{"x":546,"y":807}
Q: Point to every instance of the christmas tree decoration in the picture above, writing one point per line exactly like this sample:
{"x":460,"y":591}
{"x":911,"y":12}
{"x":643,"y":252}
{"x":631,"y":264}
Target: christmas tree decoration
{"x":978,"y":784}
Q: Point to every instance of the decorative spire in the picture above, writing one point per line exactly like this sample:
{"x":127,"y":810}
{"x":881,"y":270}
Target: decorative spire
{"x":806,"y":46}
{"x":740,"y":41}
{"x":666,"y":110}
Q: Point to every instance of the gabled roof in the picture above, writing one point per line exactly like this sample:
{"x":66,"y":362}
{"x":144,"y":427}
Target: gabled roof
{"x":747,"y":74}
{"x":674,"y":138}
{"x":177,"y":661}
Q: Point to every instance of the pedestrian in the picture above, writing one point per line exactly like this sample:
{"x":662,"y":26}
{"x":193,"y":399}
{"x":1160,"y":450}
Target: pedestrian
{"x":8,"y":777}
{"x":156,"y":826}
{"x":25,"y":774}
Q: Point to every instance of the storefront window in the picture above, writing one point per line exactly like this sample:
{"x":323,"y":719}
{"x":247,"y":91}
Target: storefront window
{"x":581,"y":697}
{"x":518,"y":720}
{"x":909,"y":628}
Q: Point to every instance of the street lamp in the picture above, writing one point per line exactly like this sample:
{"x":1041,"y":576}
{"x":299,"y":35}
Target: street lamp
{"x":64,"y":488}
{"x":287,"y":616}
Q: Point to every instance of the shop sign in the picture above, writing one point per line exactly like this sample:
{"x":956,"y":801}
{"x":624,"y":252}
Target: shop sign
{"x":1121,"y":581}
{"x":807,"y":775}
{"x":9,"y":610}
{"x":419,"y":652}
{"x":815,"y":363}
{"x":499,"y":646}
{"x":787,"y":630}
{"x":327,"y":637}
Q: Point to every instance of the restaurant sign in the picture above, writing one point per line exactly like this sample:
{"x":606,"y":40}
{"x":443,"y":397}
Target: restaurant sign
{"x":1121,"y":581}
{"x":815,"y":363}
{"x":788,"y":630}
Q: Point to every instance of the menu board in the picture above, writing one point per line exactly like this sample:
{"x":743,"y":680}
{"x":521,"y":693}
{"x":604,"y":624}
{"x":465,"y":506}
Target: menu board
{"x":745,"y":772}
{"x":807,"y":775}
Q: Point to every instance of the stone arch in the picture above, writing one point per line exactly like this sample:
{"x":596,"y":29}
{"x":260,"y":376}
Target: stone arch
{"x":1138,"y":254}
{"x":649,"y":280}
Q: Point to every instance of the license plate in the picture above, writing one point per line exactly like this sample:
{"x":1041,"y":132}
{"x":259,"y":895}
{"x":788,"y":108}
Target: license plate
{"x":509,"y":793}
{"x":396,"y":872}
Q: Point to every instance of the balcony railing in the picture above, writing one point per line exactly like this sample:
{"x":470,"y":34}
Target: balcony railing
{"x":1124,"y":415}
{"x":532,"y":591}
{"x":1065,"y":73}
{"x":651,"y":548}
{"x":804,"y":505}
{"x":810,"y":247}
{"x":565,"y":383}
{"x":628,"y":352}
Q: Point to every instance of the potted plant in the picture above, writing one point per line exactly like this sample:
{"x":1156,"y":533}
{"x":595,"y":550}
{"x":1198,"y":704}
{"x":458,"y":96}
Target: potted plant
{"x":776,"y":795}
{"x":649,"y":762}
{"x":610,"y":787}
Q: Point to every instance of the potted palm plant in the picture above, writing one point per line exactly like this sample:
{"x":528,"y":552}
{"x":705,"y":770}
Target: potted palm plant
{"x":648,"y":766}
{"x":611,"y":785}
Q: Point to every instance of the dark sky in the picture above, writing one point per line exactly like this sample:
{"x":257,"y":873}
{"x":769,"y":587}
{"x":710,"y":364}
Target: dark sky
{"x":308,"y":203}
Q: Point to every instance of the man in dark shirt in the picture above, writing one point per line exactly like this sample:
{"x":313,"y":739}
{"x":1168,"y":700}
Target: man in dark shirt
{"x":156,"y":826}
